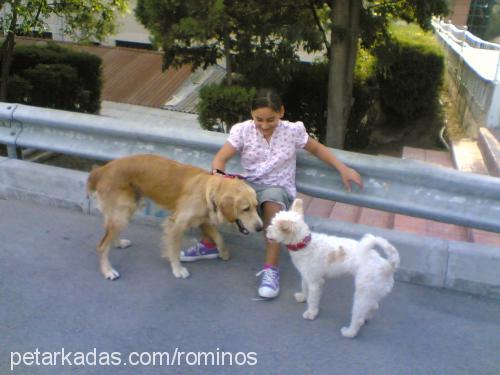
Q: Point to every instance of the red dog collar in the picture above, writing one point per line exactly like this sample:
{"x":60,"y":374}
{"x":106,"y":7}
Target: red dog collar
{"x":227,"y":175}
{"x":300,"y":245}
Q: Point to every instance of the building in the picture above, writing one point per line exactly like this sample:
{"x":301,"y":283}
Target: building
{"x":480,"y":17}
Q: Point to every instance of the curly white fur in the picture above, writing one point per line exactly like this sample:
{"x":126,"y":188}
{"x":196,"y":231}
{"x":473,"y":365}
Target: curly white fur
{"x":329,"y":256}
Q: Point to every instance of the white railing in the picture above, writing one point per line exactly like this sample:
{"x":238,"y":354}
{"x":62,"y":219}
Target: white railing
{"x":475,"y":65}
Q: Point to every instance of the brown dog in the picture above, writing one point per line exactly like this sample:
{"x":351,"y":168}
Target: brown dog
{"x":193,"y":196}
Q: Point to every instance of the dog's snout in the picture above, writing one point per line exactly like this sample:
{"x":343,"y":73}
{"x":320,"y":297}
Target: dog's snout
{"x":259,"y":228}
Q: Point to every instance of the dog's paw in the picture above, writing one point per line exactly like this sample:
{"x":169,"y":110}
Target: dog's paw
{"x":310,"y":314}
{"x":348,"y":332}
{"x":181,"y":272}
{"x":300,"y":297}
{"x":122,"y":243}
{"x":224,"y":254}
{"x":111,"y":274}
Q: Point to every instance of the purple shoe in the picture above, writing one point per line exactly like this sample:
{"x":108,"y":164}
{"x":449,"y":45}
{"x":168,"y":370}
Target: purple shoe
{"x":199,"y":251}
{"x":270,"y":283}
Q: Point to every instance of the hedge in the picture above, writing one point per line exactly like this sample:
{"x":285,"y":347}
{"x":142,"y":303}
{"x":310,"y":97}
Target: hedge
{"x":229,"y":104}
{"x":56,"y":77}
{"x":410,"y":73}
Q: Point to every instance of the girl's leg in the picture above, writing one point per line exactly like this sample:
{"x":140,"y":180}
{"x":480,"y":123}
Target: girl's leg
{"x":269,"y":285}
{"x":272,"y":248}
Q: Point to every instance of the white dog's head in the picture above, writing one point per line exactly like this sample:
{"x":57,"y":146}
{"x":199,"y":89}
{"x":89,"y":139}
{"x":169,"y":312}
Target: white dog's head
{"x":288,"y":227}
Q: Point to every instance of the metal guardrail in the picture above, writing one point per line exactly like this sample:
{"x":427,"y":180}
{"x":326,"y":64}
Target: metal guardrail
{"x":404,"y":186}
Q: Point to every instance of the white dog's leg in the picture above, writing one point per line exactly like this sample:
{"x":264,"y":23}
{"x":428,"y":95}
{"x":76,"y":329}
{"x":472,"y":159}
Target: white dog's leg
{"x":362,"y":306}
{"x":370,"y":314}
{"x":313,"y":297}
{"x":302,"y":295}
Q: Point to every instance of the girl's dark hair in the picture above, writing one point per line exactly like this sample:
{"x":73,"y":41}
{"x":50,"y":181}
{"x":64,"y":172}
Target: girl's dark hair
{"x":266,"y":98}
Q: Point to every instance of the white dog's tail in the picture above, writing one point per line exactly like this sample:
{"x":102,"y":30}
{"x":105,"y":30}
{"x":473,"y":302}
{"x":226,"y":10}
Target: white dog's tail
{"x":369,"y":241}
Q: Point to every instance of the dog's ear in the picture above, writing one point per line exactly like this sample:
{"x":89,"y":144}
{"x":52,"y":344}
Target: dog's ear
{"x":297,"y":206}
{"x":228,"y":208}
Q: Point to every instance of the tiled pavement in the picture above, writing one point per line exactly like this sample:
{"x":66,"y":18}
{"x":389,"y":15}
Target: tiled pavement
{"x":466,"y":155}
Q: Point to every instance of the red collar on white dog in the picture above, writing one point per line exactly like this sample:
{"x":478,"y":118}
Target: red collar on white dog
{"x":300,"y":245}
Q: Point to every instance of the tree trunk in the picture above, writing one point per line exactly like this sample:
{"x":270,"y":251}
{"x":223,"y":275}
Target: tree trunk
{"x":227,"y":55}
{"x":7,"y":52}
{"x":344,"y":45}
{"x":355,"y":7}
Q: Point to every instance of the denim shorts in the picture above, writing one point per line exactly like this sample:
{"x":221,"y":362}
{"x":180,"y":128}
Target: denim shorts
{"x":275,"y":194}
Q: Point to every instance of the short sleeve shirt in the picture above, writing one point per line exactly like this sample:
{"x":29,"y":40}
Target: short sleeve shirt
{"x":270,"y":162}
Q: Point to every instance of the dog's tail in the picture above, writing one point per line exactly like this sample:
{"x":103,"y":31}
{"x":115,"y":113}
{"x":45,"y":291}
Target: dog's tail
{"x":93,"y":178}
{"x":369,"y":241}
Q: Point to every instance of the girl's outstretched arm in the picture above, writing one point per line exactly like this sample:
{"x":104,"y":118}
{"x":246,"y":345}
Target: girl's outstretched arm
{"x":322,"y":153}
{"x":225,"y":153}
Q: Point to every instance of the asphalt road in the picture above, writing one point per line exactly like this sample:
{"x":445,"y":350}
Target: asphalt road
{"x":53,"y":301}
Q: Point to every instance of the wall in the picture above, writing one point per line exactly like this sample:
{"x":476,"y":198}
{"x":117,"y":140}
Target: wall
{"x":459,"y":12}
{"x":472,"y":77}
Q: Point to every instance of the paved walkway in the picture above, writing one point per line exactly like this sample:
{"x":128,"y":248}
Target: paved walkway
{"x":53,"y":298}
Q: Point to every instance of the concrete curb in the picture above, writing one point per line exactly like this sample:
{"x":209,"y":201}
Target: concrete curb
{"x":461,"y":266}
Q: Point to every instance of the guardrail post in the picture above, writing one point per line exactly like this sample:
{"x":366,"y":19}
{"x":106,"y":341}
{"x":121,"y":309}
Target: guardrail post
{"x":12,"y":152}
{"x":9,"y":129}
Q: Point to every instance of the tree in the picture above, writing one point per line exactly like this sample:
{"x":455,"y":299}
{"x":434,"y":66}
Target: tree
{"x":250,"y":35}
{"x":260,"y":39}
{"x":85,"y":20}
{"x":346,"y":31}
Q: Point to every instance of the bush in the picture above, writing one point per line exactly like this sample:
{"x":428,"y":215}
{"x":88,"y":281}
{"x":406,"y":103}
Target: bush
{"x":18,"y":89}
{"x":54,"y":86}
{"x":76,"y":77}
{"x":410,"y":71}
{"x":229,"y":104}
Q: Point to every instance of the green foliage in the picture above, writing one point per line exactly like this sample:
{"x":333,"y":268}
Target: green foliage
{"x":229,"y":104}
{"x":18,"y":89}
{"x":410,"y":73}
{"x":304,"y":94}
{"x":378,"y":15}
{"x":54,"y":86}
{"x":249,"y":32}
{"x":56,"y":77}
{"x":85,"y":20}
{"x":305,"y":97}
{"x":404,"y":76}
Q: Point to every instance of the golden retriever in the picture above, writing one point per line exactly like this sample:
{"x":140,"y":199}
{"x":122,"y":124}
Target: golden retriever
{"x":193,"y":196}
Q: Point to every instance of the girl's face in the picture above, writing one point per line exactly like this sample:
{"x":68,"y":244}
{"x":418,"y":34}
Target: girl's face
{"x":267,"y":119}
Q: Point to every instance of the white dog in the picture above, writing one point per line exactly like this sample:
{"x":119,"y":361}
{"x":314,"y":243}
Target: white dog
{"x":318,"y":256}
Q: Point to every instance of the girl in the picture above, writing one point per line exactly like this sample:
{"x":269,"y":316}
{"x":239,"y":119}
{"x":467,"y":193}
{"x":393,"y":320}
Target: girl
{"x":268,"y":145}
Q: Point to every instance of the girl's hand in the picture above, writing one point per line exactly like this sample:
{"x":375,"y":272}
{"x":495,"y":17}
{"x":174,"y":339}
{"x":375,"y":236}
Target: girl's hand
{"x":348,"y":175}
